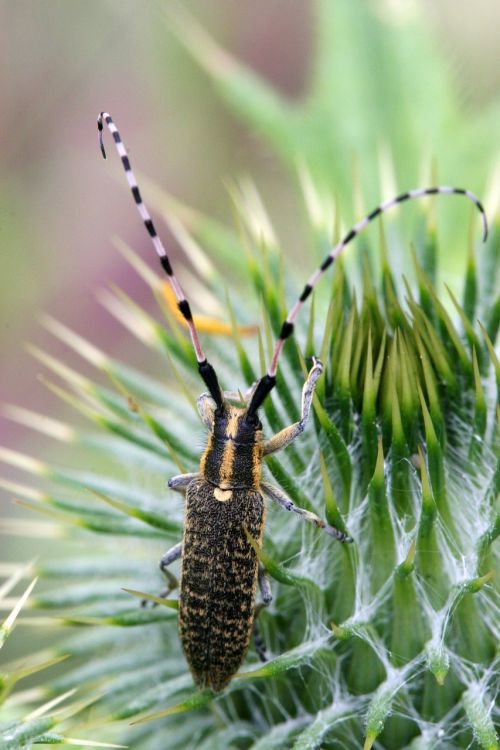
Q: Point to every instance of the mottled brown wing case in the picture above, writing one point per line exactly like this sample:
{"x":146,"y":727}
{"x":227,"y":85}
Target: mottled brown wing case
{"x":218,"y":580}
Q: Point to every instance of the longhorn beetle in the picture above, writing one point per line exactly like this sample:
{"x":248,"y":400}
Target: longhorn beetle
{"x":224,"y":499}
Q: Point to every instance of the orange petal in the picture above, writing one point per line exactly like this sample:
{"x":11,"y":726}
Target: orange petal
{"x":204,"y":322}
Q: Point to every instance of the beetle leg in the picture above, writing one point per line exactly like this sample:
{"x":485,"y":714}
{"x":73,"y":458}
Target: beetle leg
{"x":267,"y":597}
{"x":169,"y":557}
{"x":278,"y":496}
{"x":286,"y":436}
{"x":265,"y":587}
{"x":258,"y":642}
{"x":180,"y":482}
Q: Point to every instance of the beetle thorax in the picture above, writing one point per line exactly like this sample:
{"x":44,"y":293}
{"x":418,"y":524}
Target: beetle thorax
{"x":233,"y":454}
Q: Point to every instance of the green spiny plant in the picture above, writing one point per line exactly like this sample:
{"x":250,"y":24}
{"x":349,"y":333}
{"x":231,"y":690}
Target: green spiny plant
{"x":392,"y":640}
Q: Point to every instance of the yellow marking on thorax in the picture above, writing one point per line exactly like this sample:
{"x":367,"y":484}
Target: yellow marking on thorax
{"x":226,"y":467}
{"x":232,"y":424}
{"x":207,"y":450}
{"x":226,"y":478}
{"x":257,"y":464}
{"x":222,"y":495}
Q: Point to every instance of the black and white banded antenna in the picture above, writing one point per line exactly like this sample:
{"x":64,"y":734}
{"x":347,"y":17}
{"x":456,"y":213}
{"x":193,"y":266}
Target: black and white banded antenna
{"x":206,"y":370}
{"x":268,"y":381}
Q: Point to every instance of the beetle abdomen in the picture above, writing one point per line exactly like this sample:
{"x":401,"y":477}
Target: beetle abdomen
{"x":218,"y":579}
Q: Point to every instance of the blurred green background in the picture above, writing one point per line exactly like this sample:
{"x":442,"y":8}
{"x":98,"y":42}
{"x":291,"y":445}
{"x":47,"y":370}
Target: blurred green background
{"x":62,"y":62}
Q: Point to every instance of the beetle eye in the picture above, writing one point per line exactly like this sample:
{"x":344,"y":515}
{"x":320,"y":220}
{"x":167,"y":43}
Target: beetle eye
{"x":253,"y":420}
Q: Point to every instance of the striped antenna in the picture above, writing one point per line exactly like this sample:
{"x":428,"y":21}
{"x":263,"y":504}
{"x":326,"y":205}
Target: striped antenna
{"x":206,"y":370}
{"x":267,"y":383}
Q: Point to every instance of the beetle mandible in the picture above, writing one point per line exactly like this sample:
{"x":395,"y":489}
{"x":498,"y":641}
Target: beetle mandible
{"x":225,"y":498}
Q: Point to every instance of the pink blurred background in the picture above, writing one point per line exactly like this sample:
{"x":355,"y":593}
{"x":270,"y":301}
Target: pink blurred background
{"x":60,"y":63}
